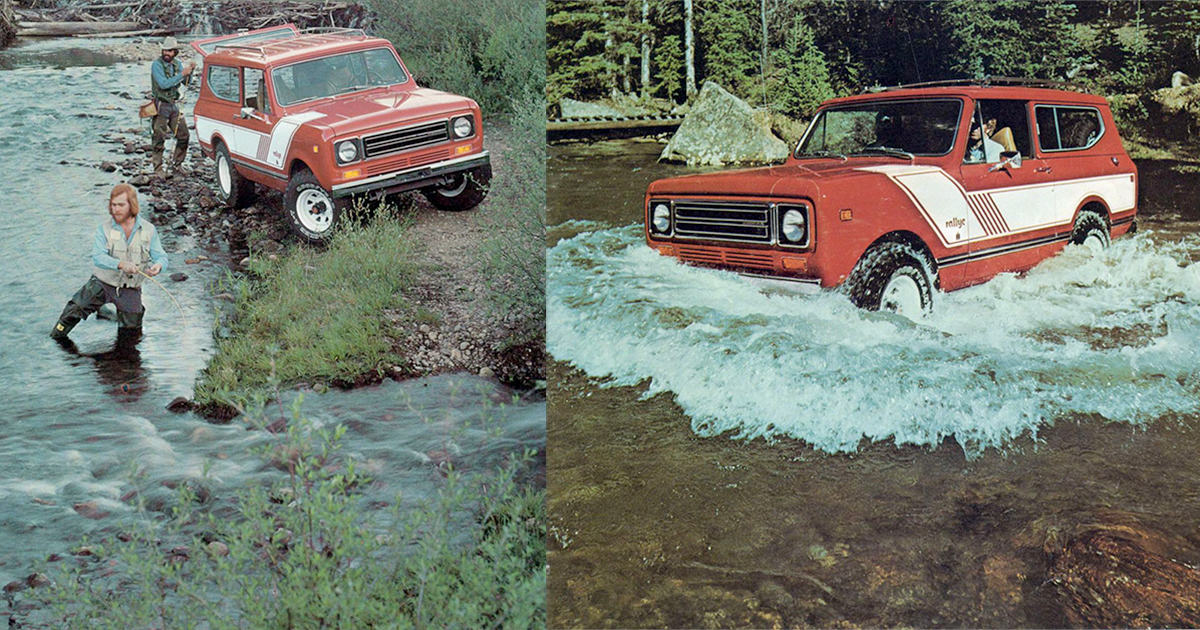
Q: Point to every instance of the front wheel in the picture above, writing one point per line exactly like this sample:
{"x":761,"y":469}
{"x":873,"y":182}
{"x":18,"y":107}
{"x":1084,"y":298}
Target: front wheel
{"x":892,"y":277}
{"x":311,"y":210}
{"x":464,"y":190}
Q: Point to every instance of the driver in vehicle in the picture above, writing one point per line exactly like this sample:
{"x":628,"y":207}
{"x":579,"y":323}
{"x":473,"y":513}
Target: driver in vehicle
{"x":982,"y":147}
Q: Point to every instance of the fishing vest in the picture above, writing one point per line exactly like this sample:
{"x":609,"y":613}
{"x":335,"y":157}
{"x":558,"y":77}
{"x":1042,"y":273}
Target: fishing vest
{"x":136,"y":251}
{"x":170,"y":69}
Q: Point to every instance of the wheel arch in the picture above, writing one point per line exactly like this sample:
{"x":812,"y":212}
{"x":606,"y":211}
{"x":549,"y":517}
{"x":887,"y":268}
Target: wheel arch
{"x":1096,"y":205}
{"x":911,"y":239}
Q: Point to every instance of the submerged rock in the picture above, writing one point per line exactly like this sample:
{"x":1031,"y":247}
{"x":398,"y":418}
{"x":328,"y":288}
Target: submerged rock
{"x":723,"y":129}
{"x":1120,"y":573}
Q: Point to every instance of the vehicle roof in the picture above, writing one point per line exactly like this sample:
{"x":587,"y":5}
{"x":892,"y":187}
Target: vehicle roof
{"x":284,"y":51}
{"x":976,"y":92}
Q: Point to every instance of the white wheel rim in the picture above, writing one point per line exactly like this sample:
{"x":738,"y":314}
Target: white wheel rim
{"x":314,"y":208}
{"x":223,"y":176}
{"x":1094,"y":242}
{"x":901,"y":295}
{"x":455,"y":191}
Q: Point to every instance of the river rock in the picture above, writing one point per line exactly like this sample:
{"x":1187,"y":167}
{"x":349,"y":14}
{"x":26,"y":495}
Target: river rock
{"x":179,"y":276}
{"x":723,"y":129}
{"x":89,"y":509}
{"x":180,"y":405}
{"x":108,"y":167}
{"x":37,"y":580}
{"x":1118,"y":572}
{"x":487,"y":372}
{"x":218,"y":549}
{"x":572,"y":108}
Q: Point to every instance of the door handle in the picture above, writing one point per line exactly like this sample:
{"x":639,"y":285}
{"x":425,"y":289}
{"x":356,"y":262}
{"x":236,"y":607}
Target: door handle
{"x":1043,"y":169}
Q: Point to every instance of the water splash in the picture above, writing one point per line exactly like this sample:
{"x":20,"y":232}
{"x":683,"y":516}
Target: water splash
{"x":1113,"y":334}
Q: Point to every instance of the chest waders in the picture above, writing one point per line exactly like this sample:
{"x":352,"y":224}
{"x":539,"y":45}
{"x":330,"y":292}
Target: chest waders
{"x":112,"y":285}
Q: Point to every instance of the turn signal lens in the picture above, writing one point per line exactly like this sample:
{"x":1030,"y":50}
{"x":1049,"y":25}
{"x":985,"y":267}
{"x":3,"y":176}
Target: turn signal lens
{"x":351,"y":174}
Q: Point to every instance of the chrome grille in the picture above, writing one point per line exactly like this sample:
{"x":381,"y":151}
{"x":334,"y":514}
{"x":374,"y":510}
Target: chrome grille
{"x":405,"y":139}
{"x":723,"y":220}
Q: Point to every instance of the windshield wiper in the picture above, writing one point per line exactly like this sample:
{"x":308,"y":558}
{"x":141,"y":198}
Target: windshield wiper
{"x":822,"y":154}
{"x":900,"y":153}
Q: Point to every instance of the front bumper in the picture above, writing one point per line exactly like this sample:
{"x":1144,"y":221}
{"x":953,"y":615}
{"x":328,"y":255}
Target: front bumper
{"x":413,"y":178}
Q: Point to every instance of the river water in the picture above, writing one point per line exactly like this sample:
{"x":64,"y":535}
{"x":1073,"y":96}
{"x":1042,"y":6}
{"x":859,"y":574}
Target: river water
{"x":76,"y":421}
{"x":725,"y":457}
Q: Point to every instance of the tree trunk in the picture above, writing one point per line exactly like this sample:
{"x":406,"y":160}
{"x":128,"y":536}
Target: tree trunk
{"x":645,"y":49}
{"x":61,"y":29}
{"x":762,"y":62}
{"x":690,"y":46}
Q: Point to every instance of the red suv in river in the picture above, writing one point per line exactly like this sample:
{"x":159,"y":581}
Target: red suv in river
{"x":324,"y":114}
{"x":895,"y":193}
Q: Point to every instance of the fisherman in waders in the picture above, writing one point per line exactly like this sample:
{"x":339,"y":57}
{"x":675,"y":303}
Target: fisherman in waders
{"x":167,"y":74}
{"x":125,"y":248}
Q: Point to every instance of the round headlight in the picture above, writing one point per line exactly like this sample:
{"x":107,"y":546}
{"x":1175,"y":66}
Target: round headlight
{"x":662,"y":217}
{"x":347,"y":151}
{"x":463,"y":127}
{"x":793,"y":226}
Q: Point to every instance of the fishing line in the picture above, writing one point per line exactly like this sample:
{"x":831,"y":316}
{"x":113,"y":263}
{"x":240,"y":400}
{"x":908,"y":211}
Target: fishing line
{"x":168,"y":294}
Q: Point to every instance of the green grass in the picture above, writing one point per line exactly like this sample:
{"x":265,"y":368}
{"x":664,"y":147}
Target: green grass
{"x":318,"y":315}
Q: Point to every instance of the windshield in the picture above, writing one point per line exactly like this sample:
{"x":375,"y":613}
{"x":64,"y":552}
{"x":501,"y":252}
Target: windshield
{"x":336,"y":74}
{"x":899,"y":128}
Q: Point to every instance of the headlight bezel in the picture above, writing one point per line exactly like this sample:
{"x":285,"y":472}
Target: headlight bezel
{"x":782,"y":211}
{"x":469,"y":120}
{"x":667,"y":214}
{"x":354,"y":143}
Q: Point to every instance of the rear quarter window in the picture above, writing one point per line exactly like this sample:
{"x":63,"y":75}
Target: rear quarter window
{"x":1065,"y":128}
{"x":223,"y":82}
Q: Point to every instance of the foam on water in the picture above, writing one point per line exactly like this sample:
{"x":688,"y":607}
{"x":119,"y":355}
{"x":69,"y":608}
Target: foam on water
{"x":1114,"y":334}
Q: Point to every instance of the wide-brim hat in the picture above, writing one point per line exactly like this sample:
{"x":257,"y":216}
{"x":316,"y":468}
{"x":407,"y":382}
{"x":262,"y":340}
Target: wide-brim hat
{"x":169,"y":43}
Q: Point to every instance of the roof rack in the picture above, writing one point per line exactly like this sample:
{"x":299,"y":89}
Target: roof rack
{"x":985,"y":82}
{"x":308,"y":32}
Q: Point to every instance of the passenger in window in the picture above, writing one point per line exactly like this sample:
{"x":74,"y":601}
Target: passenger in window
{"x":982,"y":148}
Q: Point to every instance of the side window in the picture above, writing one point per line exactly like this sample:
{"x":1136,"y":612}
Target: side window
{"x":1068,"y":128}
{"x":223,"y":82}
{"x":998,"y":126}
{"x":256,"y":90}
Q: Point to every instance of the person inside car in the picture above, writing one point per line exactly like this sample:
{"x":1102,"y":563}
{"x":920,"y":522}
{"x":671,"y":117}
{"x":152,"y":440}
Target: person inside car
{"x":982,"y":148}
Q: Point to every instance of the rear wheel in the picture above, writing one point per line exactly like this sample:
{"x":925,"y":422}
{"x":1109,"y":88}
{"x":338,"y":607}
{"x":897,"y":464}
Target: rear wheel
{"x":463,"y":191}
{"x":234,"y":190}
{"x":894,"y":277}
{"x":1091,"y":231}
{"x":311,"y":210}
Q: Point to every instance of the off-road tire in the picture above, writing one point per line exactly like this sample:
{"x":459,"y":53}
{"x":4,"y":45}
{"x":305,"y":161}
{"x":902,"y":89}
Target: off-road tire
{"x":1091,"y":225}
{"x":888,"y":267}
{"x":465,"y":192}
{"x":312,"y":212}
{"x":233,"y":190}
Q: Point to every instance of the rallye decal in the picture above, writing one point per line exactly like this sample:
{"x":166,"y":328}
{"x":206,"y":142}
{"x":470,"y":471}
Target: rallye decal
{"x":959,"y":217}
{"x":269,"y":149}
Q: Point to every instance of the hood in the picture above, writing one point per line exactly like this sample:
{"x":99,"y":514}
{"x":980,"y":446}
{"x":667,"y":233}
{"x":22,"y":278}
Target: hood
{"x":372,"y":110}
{"x":793,"y":179}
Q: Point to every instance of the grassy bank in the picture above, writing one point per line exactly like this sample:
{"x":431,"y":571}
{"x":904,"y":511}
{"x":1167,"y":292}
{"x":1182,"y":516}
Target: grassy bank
{"x":316,"y":314}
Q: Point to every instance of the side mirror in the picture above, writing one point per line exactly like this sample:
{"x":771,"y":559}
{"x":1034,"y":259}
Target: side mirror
{"x":1010,"y":159}
{"x":247,"y":112}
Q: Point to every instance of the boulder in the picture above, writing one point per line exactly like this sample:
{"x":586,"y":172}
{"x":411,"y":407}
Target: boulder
{"x":723,"y":129}
{"x":572,"y":108}
{"x":1118,"y":572}
{"x":1180,"y":79}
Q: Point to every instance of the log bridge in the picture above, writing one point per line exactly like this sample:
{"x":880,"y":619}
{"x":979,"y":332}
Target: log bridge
{"x":610,"y":126}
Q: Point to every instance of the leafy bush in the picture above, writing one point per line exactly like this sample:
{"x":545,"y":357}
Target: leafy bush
{"x":515,"y":248}
{"x":491,"y":51}
{"x":300,"y":554}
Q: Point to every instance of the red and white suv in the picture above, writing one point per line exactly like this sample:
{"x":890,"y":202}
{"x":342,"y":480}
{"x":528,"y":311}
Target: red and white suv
{"x":325,"y":114}
{"x":894,"y":194}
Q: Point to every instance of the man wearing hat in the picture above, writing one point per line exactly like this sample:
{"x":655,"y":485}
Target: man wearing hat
{"x":166,"y":75}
